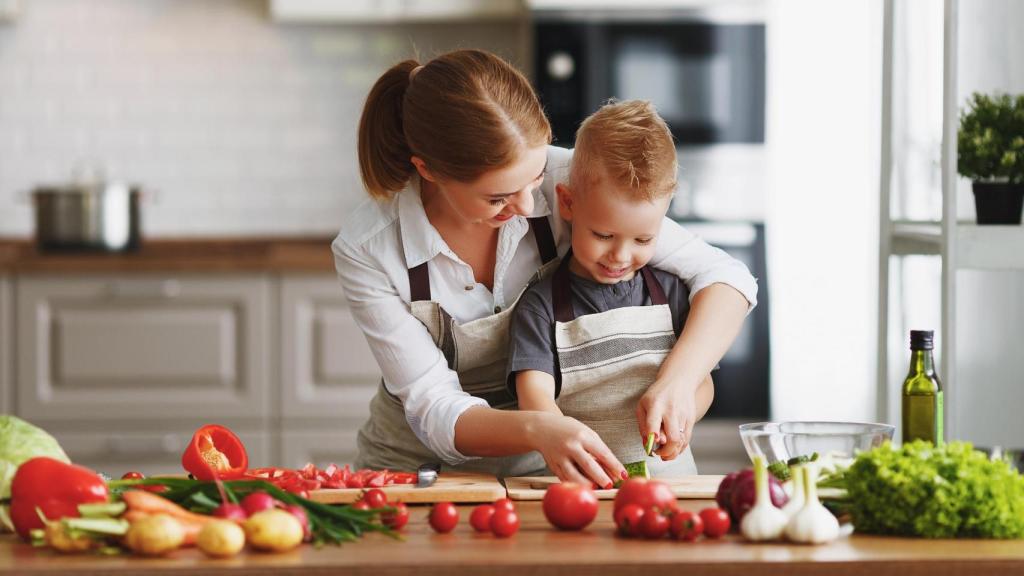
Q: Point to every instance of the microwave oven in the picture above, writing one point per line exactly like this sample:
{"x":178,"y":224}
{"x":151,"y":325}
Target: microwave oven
{"x":705,"y":77}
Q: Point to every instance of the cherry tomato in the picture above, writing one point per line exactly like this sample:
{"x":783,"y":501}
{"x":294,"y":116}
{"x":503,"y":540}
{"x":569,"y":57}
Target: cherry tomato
{"x":398,"y":519}
{"x":375,"y":497}
{"x":443,"y":517}
{"x":645,"y":493}
{"x":132,"y":476}
{"x":686,"y":525}
{"x":504,"y":523}
{"x":480,"y":518}
{"x":628,"y":518}
{"x":155,"y":488}
{"x":360,"y":505}
{"x":570,"y":506}
{"x":716,"y":522}
{"x":504,"y":504}
{"x":654,"y":524}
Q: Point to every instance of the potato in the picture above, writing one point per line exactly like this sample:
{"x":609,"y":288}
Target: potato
{"x":273,"y":530}
{"x":221,"y":538}
{"x":155,"y":535}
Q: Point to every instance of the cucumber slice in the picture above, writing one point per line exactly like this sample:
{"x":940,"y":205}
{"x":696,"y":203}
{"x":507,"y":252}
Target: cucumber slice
{"x":638,"y":469}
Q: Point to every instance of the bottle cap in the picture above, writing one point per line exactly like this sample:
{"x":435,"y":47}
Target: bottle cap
{"x":922,"y":339}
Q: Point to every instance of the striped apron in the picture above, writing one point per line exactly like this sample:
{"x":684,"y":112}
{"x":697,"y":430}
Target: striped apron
{"x":607,"y":361}
{"x":478,"y":352}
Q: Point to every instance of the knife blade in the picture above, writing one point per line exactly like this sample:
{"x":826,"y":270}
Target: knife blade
{"x":427,"y":473}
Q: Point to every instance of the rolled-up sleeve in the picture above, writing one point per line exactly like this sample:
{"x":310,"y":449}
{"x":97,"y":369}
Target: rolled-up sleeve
{"x":699,"y":264}
{"x":413,"y":367}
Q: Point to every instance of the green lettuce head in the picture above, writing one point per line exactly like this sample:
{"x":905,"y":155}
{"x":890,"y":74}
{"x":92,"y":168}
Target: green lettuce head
{"x":21,"y":441}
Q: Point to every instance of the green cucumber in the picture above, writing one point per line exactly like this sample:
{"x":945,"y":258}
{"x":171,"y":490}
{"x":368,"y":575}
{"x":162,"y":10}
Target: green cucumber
{"x":638,"y":469}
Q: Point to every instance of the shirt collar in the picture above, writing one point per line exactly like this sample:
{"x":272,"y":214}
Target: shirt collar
{"x":421,"y":241}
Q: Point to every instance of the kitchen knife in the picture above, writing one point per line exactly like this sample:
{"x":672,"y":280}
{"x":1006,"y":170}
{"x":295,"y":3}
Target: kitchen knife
{"x":426,"y":474}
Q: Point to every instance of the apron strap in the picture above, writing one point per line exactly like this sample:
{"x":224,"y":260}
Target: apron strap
{"x":654,"y":289}
{"x":561,"y":297}
{"x":545,"y":239}
{"x":419,"y":283}
{"x":419,"y":276}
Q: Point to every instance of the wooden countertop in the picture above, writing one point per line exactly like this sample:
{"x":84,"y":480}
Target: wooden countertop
{"x":288,"y":254}
{"x":538,"y":549}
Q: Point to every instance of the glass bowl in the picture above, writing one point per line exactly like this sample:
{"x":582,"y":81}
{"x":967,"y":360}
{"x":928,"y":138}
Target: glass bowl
{"x":780,"y":441}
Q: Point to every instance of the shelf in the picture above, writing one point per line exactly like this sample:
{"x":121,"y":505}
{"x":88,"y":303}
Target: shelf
{"x":911,"y":238}
{"x":990,"y":247}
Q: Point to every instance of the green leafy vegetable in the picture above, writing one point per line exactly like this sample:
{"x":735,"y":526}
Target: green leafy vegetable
{"x":21,"y":441}
{"x":933,"y":492}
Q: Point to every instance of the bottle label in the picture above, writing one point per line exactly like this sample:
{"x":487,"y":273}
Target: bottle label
{"x":939,"y":436}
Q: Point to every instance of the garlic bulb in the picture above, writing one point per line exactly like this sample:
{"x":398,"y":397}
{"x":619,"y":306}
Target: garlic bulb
{"x":764,"y":521}
{"x":796,"y":499}
{"x":813,"y":523}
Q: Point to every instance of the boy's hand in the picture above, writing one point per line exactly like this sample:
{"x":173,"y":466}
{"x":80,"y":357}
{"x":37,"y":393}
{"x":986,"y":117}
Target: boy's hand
{"x":669,"y":411}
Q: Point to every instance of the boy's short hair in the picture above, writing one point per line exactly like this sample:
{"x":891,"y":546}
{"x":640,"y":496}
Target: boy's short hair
{"x":629,"y":144}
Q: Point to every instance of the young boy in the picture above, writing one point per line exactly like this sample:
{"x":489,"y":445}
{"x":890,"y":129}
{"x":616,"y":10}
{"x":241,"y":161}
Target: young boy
{"x":589,"y":339}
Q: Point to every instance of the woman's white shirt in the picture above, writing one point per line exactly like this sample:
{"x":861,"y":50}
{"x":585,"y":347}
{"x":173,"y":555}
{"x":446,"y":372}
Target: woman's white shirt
{"x":380,"y":240}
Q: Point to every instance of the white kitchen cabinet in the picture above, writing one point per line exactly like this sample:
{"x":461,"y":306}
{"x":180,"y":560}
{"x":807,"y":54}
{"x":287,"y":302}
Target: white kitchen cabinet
{"x":327,"y":369}
{"x":114,"y":450}
{"x":370,"y":11}
{"x":143,"y":346}
{"x":336,"y":444}
{"x":6,"y":344}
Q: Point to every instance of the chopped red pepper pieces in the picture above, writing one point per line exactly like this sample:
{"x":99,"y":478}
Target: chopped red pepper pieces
{"x":309,"y":477}
{"x":215,"y":452}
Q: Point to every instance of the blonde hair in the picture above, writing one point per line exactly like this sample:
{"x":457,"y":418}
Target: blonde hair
{"x":464,"y":113}
{"x":629,"y":144}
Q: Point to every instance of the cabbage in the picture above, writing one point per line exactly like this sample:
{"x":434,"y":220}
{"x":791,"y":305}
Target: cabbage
{"x":21,"y":441}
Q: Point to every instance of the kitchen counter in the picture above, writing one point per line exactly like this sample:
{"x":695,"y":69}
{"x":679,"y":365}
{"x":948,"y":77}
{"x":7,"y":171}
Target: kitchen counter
{"x":538,"y":549}
{"x":290,"y":254}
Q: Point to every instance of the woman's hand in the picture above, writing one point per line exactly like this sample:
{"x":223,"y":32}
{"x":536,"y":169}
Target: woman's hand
{"x":670,"y":410}
{"x":574,"y":452}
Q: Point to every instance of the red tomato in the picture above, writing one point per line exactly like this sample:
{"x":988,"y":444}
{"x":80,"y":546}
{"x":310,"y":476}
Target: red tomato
{"x":504,"y":523}
{"x":570,"y":506}
{"x":480,"y":519}
{"x":375,"y":497}
{"x":504,"y":504}
{"x":654,"y":524}
{"x":443,"y":517}
{"x":646,"y":494}
{"x":132,"y":476}
{"x":360,"y":505}
{"x":686,"y":525}
{"x":628,"y":518}
{"x":398,"y":519}
{"x":716,"y":522}
{"x":155,"y":488}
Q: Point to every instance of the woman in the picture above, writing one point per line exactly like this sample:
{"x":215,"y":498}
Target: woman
{"x":456,"y":157}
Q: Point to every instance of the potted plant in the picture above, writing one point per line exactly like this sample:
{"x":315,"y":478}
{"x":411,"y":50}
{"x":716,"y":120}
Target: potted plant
{"x":990,"y":151}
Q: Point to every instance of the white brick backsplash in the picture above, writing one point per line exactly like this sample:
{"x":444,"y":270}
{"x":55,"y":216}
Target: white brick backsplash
{"x":235,"y":124}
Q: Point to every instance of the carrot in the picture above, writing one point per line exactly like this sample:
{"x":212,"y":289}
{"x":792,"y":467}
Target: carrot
{"x":152,"y":504}
{"x":190,"y":527}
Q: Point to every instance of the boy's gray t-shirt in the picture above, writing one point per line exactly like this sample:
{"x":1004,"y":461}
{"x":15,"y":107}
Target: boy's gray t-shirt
{"x":532,"y":336}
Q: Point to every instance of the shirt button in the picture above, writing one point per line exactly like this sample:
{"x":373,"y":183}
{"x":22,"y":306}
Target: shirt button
{"x":497,"y":309}
{"x":469,"y":287}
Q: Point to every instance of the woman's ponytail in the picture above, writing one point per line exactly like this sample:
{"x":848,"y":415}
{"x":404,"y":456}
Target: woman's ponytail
{"x":384,"y":155}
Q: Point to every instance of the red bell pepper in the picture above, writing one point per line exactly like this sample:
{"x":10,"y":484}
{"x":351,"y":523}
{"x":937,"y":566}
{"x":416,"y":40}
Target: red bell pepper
{"x":215,"y":452}
{"x":53,"y":487}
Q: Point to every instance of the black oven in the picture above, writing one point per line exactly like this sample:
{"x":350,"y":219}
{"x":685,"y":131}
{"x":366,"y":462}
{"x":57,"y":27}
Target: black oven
{"x":707,"y":78}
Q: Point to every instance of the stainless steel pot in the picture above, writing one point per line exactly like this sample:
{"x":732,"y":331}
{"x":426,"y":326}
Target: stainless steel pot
{"x":94,"y":216}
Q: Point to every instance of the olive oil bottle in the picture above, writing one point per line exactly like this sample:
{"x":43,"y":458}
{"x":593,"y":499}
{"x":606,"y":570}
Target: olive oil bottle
{"x":922,"y":392}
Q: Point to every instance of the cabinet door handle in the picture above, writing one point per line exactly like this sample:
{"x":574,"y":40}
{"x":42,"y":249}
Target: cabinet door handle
{"x":160,"y":289}
{"x":149,"y":446}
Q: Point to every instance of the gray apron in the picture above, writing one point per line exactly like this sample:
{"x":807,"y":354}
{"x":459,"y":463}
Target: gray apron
{"x":478,"y":352}
{"x":607,"y":361}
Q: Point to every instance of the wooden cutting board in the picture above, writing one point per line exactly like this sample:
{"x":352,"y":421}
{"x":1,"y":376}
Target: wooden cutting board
{"x":692,"y":487}
{"x":449,"y":487}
